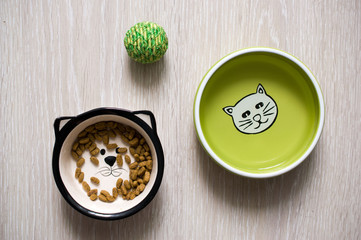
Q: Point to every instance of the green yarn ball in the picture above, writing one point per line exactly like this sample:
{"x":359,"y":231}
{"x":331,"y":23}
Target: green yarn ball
{"x":146,"y":42}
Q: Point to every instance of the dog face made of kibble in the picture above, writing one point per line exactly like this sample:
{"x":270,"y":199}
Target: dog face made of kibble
{"x":112,"y":160}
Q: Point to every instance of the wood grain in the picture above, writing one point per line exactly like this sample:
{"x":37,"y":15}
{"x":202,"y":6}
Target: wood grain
{"x":62,"y":58}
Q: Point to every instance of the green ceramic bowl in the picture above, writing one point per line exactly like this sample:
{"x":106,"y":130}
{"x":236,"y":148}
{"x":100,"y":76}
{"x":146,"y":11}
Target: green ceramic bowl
{"x":259,"y":112}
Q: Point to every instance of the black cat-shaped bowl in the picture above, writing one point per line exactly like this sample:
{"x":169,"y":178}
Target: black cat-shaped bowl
{"x":67,"y":130}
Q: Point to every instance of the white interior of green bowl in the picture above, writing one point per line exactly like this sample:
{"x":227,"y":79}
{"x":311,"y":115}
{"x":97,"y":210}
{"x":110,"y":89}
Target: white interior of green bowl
{"x":67,"y":166}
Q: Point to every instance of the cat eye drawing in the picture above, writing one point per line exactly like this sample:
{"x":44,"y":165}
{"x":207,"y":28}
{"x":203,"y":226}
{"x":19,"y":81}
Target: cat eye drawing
{"x":254,"y":113}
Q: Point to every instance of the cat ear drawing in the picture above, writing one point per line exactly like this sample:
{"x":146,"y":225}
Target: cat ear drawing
{"x":260,"y":89}
{"x":228,"y":110}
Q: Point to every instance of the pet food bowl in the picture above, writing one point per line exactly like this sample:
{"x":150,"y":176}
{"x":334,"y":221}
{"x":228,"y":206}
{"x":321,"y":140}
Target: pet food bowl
{"x":259,"y":112}
{"x":66,"y":132}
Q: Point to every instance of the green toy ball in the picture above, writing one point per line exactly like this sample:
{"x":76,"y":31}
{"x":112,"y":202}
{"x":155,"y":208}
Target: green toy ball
{"x":146,"y":42}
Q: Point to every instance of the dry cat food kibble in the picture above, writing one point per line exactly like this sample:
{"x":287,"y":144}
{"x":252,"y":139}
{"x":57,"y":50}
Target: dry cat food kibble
{"x":107,"y":144}
{"x":94,"y":180}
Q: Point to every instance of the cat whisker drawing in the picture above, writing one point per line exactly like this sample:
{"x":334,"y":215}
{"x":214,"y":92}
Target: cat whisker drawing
{"x":268,"y":109}
{"x":254,"y":113}
{"x":250,"y":124}
{"x":247,"y":120}
{"x":265,"y":108}
{"x":268,"y":114}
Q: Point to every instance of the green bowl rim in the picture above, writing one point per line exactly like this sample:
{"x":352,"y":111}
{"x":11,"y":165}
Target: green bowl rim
{"x":203,"y":84}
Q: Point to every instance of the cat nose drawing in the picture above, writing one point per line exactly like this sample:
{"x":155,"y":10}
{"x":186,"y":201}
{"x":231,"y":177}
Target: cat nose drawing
{"x":110,"y":160}
{"x":257,"y":118}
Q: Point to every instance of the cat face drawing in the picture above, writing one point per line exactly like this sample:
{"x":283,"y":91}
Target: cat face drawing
{"x":254,"y":113}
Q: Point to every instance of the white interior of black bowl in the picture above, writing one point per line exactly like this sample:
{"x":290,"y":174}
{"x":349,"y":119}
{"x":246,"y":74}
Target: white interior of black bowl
{"x":67,"y":166}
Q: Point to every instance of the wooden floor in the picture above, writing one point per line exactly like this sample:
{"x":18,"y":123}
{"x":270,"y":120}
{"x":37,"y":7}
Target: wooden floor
{"x":61,"y":58}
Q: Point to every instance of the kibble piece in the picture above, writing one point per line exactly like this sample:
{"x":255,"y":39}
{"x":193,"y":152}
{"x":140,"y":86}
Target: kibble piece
{"x":98,"y":137}
{"x":84,"y":140}
{"x":137,"y":191}
{"x":132,"y":150}
{"x":131,"y":134}
{"x":134,"y":184}
{"x":140,"y":181}
{"x":111,"y":134}
{"x":95,"y":151}
{"x":82,"y":134}
{"x":112,"y":146}
{"x":90,"y":128}
{"x":81,"y":177}
{"x":141,"y":171}
{"x":116,"y":130}
{"x":93,"y":197}
{"x":109,"y":124}
{"x":92,"y":147}
{"x":94,"y":180}
{"x":127,"y":159}
{"x":115,"y":192}
{"x":103,"y":198}
{"x":124,"y":190}
{"x":80,"y":162}
{"x":100,"y":125}
{"x":133,"y":174}
{"x":149,"y":164}
{"x":146,"y":177}
{"x":87,"y":146}
{"x":146,"y":147}
{"x":146,"y":154}
{"x":124,"y":138}
{"x":136,"y":156}
{"x":133,"y":165}
{"x":138,"y":149}
{"x":77,"y":172}
{"x":134,"y":142}
{"x":91,"y":137}
{"x":106,"y":139}
{"x":79,"y":151}
{"x":127,"y":184}
{"x":119,"y":160}
{"x":103,"y":133}
{"x":119,"y":183}
{"x":142,"y":141}
{"x":121,"y":127}
{"x":149,"y":158}
{"x":105,"y":193}
{"x":110,"y":198}
{"x":94,"y":160}
{"x":93,"y":191}
{"x":82,"y":147}
{"x":122,"y":150}
{"x":142,"y":164}
{"x":132,"y":195}
{"x":141,"y":158}
{"x":142,"y":151}
{"x":86,"y":186}
{"x":141,"y":187}
{"x":75,"y":146}
{"x":128,"y":196}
